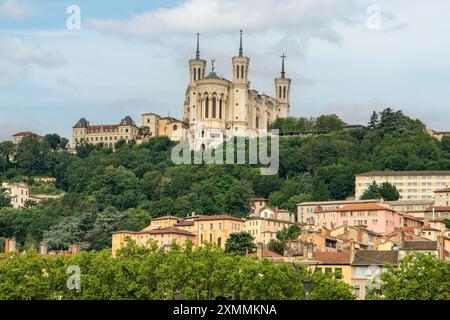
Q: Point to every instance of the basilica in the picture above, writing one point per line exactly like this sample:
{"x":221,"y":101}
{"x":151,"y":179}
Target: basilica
{"x":216,"y":108}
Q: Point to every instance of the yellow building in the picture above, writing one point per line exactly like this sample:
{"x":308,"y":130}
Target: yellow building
{"x":334,"y":262}
{"x":412,"y":185}
{"x":265,"y":229}
{"x":198,"y":228}
{"x":164,"y":237}
{"x":442,"y":197}
{"x":162,"y":222}
{"x":215,"y":229}
{"x":164,"y":126}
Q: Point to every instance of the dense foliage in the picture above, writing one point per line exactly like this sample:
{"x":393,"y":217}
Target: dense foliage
{"x":106,"y":190}
{"x":278,"y":245}
{"x":240,"y":243}
{"x":149,"y":273}
{"x":419,"y":277}
{"x":385,"y":191}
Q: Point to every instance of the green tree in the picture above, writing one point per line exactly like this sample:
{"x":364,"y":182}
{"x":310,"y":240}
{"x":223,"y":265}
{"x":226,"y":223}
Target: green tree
{"x":374,"y":120}
{"x":277,"y":246}
{"x":326,"y":124}
{"x":418,"y":277}
{"x":389,"y":192}
{"x":31,"y":156}
{"x":372,"y":192}
{"x":240,"y":243}
{"x":5,"y":200}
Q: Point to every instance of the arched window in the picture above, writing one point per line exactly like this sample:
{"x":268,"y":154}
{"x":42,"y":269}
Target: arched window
{"x":207,"y":107}
{"x":195,"y":74}
{"x":242,"y":72}
{"x":175,"y":127}
{"x":203,"y":134}
{"x":284,"y":92}
{"x":199,"y":74}
{"x":279,"y":91}
{"x":214,"y":113}
{"x":237,"y":76}
{"x":220,"y":108}
{"x":257,"y":122}
{"x":219,"y":242}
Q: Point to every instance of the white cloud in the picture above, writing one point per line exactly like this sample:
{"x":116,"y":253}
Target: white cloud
{"x":17,"y":56}
{"x":304,"y":18}
{"x":15,"y":10}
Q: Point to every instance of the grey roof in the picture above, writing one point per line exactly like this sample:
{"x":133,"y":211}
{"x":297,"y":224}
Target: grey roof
{"x":127,"y":121}
{"x":375,"y":257}
{"x":420,"y":245}
{"x":212,"y":75}
{"x":82,"y":123}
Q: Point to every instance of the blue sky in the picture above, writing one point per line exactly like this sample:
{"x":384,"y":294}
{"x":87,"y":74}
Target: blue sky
{"x":130,"y":57}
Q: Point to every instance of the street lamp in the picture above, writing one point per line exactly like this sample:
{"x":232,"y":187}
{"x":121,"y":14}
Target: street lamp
{"x":307,"y":285}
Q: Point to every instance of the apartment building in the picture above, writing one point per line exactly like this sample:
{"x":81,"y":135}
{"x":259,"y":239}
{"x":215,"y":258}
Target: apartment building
{"x":197,"y":228}
{"x":412,"y":185}
{"x":265,"y":229}
{"x":442,"y":197}
{"x":376,"y":217}
{"x":164,"y":237}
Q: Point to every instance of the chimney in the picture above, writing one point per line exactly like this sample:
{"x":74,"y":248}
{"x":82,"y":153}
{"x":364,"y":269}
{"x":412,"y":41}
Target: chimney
{"x":402,"y":239}
{"x":305,"y":250}
{"x":44,"y":249}
{"x":259,"y":250}
{"x":441,"y":247}
{"x":10,"y":245}
{"x":310,"y":252}
{"x":74,"y":249}
{"x":352,"y":250}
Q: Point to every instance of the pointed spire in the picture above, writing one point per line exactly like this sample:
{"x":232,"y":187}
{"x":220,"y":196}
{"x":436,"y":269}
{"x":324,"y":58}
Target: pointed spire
{"x":241,"y":51}
{"x":282,"y":66}
{"x":198,"y":47}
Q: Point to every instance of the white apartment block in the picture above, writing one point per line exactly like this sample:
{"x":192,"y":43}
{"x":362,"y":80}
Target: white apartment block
{"x":412,"y":185}
{"x":18,"y":193}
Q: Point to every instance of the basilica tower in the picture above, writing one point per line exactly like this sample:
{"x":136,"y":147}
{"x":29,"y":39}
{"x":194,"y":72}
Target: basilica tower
{"x":283,"y":91}
{"x":240,"y":86}
{"x":197,"y":69}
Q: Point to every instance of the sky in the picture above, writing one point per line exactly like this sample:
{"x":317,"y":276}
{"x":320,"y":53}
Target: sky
{"x":345,"y":57}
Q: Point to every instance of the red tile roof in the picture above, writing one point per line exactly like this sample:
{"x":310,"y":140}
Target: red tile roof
{"x":266,"y":254}
{"x":438,"y":209}
{"x":362,"y":207}
{"x":24,"y":134}
{"x":218,"y":217}
{"x":443,"y":190}
{"x":332,"y":257}
{"x":166,"y":217}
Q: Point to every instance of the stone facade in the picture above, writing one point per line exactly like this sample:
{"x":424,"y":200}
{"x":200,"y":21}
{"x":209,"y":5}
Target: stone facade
{"x":216,"y":108}
{"x":109,"y":135}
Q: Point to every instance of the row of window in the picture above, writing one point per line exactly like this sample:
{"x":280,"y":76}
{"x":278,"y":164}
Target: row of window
{"x":198,"y":74}
{"x":214,"y":114}
{"x":101,"y":139}
{"x":282,"y":92}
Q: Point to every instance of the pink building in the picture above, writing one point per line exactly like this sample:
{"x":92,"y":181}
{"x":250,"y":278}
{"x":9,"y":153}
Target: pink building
{"x":376,"y":217}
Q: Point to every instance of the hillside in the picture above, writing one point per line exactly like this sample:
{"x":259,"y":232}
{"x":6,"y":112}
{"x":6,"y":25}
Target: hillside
{"x":107,"y":191}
